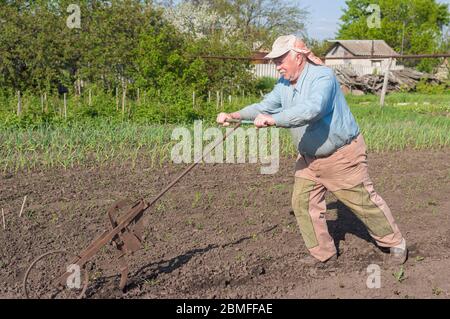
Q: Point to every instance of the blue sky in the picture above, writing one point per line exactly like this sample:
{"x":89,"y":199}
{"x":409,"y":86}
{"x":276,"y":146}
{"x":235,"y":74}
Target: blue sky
{"x":324,"y":16}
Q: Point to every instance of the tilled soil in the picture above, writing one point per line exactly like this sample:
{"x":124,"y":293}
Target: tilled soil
{"x":225,"y":231}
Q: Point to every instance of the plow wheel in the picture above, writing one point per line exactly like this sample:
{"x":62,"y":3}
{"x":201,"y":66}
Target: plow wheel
{"x":41,"y":278}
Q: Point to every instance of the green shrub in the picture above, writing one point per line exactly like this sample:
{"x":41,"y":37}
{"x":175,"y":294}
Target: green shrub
{"x":265,"y":84}
{"x":428,"y":88}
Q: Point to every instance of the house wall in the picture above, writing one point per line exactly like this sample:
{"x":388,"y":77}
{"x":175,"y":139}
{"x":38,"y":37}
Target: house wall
{"x":359,"y":66}
{"x":337,"y":52}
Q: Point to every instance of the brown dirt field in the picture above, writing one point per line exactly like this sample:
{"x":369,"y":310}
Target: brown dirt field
{"x":225,"y":231}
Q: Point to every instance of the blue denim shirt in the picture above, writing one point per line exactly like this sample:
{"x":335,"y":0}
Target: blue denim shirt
{"x":315,"y":109}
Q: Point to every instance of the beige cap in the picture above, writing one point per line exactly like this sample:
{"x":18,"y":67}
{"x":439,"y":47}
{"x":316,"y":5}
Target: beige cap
{"x":282,"y":45}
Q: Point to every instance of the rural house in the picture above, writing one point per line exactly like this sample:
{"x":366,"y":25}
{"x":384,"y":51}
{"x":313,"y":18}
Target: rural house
{"x":360,"y":48}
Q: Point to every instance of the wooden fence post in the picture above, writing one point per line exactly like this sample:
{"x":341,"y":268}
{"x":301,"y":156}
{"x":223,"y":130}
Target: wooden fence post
{"x":78,"y":87}
{"x":19,"y":104}
{"x":385,"y":82}
{"x":65,"y":105}
{"x":117,"y":99}
{"x":124,"y":96}
{"x":217,"y":99}
{"x":45,"y":102}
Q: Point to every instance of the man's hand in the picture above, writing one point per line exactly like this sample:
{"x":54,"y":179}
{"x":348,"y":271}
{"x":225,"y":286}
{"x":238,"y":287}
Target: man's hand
{"x":222,"y":118}
{"x":263,"y":120}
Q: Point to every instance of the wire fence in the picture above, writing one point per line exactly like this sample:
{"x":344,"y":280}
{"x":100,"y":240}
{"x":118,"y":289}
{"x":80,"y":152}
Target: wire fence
{"x":378,"y":64}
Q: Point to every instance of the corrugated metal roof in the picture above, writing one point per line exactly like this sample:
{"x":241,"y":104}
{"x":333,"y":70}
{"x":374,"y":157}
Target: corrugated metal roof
{"x":364,"y":47}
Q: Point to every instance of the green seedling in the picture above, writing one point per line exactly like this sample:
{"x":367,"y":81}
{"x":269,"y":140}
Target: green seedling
{"x":437,"y":291}
{"x":279,"y":187}
{"x":151,"y":282}
{"x":400,"y":275}
{"x":419,"y":258}
{"x":197,"y":197}
{"x":210,"y":199}
{"x":30,"y":214}
{"x":55,"y":218}
{"x":160,"y":207}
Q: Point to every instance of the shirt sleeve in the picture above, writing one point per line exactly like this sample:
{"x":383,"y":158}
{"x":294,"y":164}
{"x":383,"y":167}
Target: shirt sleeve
{"x":314,"y":107}
{"x":271,"y":104}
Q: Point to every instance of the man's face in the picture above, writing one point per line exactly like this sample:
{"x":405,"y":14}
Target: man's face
{"x":289,"y":65}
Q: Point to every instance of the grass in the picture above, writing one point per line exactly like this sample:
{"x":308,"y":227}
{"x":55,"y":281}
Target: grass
{"x":70,"y":145}
{"x":419,"y":122}
{"x":398,"y":128}
{"x":197,"y":197}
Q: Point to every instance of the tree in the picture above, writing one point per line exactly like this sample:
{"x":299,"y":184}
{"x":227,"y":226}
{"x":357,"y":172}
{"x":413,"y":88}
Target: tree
{"x":261,"y":21}
{"x":117,"y":41}
{"x":319,"y":48}
{"x":199,"y":20}
{"x":408,"y":26}
{"x":34,"y":50}
{"x":170,"y":58}
{"x":111,"y":34}
{"x":38,"y":49}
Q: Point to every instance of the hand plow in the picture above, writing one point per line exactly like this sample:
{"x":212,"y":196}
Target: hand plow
{"x":125,"y":234}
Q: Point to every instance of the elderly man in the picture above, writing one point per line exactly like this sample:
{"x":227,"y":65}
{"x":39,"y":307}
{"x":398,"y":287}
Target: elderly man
{"x":332,"y":152}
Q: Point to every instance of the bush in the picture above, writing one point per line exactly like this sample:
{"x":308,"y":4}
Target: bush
{"x":265,"y":84}
{"x":428,"y":88}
